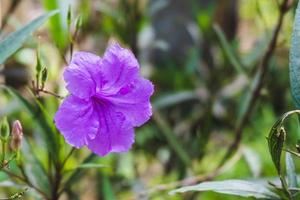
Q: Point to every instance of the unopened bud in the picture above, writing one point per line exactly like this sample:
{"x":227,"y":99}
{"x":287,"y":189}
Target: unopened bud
{"x":78,"y":23}
{"x":69,"y":16}
{"x":38,"y":66}
{"x":17,"y":135}
{"x":4,"y":129}
{"x":44,"y":76}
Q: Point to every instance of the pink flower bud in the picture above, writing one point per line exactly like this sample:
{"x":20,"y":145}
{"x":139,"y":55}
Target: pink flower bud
{"x":17,"y":135}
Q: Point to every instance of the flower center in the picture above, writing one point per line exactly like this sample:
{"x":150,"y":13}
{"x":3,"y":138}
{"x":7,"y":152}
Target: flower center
{"x":100,"y":99}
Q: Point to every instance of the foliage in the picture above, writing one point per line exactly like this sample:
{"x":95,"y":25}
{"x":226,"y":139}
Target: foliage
{"x":218,"y":92}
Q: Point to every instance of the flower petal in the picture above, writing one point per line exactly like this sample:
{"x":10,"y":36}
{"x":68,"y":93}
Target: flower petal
{"x":83,"y":75}
{"x":114,"y":135}
{"x":133,"y":100}
{"x":119,"y":68}
{"x":77,"y":120}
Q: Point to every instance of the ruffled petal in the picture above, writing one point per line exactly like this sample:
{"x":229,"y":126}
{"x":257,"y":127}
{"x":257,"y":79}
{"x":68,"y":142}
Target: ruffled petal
{"x":133,"y":100}
{"x":108,"y":98}
{"x":83,"y":75}
{"x":77,"y":120}
{"x":114,"y":135}
{"x":119,"y":68}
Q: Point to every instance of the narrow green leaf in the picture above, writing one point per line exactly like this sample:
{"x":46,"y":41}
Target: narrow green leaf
{"x":58,"y":23}
{"x":276,"y":141}
{"x":88,"y":166}
{"x":290,"y":171}
{"x":4,"y":129}
{"x":234,"y":187}
{"x":107,"y":188}
{"x":171,"y":138}
{"x":15,"y":40}
{"x":228,"y":50}
{"x":253,"y":160}
{"x":175,"y":98}
{"x":91,"y":165}
{"x":277,"y":138}
{"x":33,"y":168}
{"x":295,"y":59}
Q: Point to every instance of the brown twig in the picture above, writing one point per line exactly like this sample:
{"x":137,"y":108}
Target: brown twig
{"x":14,"y":4}
{"x":50,"y":93}
{"x":257,"y":83}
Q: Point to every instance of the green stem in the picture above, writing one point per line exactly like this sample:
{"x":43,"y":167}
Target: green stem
{"x":67,"y":157}
{"x":3,"y":151}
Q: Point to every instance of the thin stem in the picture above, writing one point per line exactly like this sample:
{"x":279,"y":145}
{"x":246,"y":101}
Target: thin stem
{"x":67,"y":157}
{"x":14,"y":4}
{"x":37,"y":86}
{"x":23,"y":173}
{"x":50,"y":93}
{"x":56,"y":184}
{"x":3,"y":145}
{"x":58,"y":176}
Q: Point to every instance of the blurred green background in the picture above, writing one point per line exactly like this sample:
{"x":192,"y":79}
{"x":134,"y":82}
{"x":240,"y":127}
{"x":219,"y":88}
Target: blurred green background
{"x":201,"y":56}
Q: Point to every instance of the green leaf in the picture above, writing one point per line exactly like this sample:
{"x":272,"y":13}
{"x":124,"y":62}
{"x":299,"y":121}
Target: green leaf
{"x":277,"y":138}
{"x":91,"y":165}
{"x":33,"y":168}
{"x":171,"y":138}
{"x":4,"y":129}
{"x":15,"y":40}
{"x":58,"y":23}
{"x":233,"y":187}
{"x":108,"y":193}
{"x":88,"y":166}
{"x":253,"y":160}
{"x":276,"y":141}
{"x":295,"y":59}
{"x":290,"y":171}
{"x":175,"y":98}
{"x":229,"y":53}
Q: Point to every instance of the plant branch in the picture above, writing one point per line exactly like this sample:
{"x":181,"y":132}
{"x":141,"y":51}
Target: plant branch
{"x":14,"y":4}
{"x":50,"y":93}
{"x":258,"y":84}
{"x":67,"y":157}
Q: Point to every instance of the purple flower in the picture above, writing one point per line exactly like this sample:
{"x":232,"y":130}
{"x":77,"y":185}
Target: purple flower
{"x":108,"y":98}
